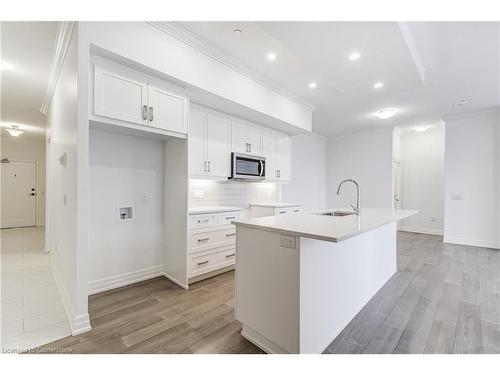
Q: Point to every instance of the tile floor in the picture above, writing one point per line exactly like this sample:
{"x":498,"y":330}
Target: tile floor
{"x":32,"y":312}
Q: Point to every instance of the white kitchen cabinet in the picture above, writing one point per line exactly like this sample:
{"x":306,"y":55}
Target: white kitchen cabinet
{"x":284,"y":158}
{"x":269,"y":152}
{"x":209,"y":145}
{"x":273,"y":209}
{"x":119,"y":97}
{"x":166,"y":110}
{"x":131,"y":98}
{"x":245,"y":139}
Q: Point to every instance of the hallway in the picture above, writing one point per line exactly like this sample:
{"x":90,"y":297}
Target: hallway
{"x":32,"y":312}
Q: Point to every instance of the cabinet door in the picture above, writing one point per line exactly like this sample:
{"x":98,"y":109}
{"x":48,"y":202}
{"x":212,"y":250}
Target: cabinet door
{"x":218,"y":146}
{"x":239,"y":138}
{"x":269,"y":152}
{"x":119,"y":97}
{"x":254,"y":139}
{"x":284,"y":158}
{"x":197,"y":144}
{"x":167,"y":110}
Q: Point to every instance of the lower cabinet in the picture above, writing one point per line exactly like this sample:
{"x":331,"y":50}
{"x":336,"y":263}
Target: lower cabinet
{"x":211,"y":242}
{"x":270,"y":210}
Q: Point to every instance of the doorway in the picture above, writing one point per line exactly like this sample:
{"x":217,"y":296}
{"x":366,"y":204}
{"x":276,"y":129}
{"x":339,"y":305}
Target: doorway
{"x":18,"y":194}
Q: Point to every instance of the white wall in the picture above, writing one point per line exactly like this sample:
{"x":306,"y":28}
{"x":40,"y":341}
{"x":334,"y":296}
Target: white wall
{"x":308,"y":173}
{"x":28,"y":150}
{"x":64,"y":208}
{"x":472,"y":188}
{"x":124,"y":170}
{"x":366,"y":158}
{"x":422,"y":179}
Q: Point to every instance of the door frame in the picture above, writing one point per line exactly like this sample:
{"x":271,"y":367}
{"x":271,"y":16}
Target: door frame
{"x":37,"y":190}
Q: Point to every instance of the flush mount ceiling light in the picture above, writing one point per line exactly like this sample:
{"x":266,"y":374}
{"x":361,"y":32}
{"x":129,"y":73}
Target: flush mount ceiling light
{"x":271,"y":56}
{"x":386,"y":113}
{"x":312,"y":85}
{"x":421,"y":128}
{"x":460,"y":103}
{"x":378,"y":85}
{"x":14,"y":131}
{"x":353,"y":56}
{"x":237,"y":32}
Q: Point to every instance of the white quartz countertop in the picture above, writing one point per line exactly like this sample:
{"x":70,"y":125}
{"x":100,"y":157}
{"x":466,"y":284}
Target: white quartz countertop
{"x":327,"y":228}
{"x":274,"y":204}
{"x":208,"y":210}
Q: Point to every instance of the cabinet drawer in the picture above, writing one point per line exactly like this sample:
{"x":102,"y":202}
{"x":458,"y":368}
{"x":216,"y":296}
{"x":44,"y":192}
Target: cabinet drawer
{"x":281,"y":211}
{"x":204,"y":262}
{"x":202,"y":221}
{"x":199,"y":241}
{"x":225,"y":218}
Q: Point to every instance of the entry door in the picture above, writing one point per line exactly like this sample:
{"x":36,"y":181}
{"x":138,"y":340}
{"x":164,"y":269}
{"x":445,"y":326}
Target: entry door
{"x":18,"y":194}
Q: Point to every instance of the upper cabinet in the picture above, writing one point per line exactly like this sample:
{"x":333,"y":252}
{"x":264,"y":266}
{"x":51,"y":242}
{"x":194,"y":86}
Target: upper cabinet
{"x":277,"y":149}
{"x":245,"y":139}
{"x":209,"y":145}
{"x":136,"y":100}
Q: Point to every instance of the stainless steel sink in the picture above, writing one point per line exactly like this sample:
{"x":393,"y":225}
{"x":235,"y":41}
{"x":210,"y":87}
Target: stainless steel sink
{"x":337,"y":213}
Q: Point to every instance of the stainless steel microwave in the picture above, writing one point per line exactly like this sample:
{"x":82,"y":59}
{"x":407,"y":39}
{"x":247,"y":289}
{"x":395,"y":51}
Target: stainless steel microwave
{"x":247,"y":167}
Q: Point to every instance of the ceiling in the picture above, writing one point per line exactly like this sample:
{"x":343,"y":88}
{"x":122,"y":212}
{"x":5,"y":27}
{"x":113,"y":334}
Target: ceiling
{"x":425,"y":67}
{"x":28,"y":50}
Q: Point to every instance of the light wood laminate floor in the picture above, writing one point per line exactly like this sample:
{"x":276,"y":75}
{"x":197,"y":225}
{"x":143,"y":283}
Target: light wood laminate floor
{"x":443,"y":299}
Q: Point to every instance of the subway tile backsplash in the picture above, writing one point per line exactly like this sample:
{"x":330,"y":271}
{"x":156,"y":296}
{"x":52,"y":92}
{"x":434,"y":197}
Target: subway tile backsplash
{"x":204,"y":193}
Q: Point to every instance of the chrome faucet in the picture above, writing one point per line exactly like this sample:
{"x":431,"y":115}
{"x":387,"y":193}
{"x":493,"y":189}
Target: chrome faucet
{"x":356,"y":209}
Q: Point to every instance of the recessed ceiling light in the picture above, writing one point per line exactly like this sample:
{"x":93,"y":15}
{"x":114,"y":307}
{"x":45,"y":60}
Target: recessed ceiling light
{"x":237,"y":32}
{"x":14,"y":131}
{"x":354,"y":55}
{"x":3,"y":65}
{"x":421,"y":128}
{"x":271,"y":56}
{"x":386,"y":113}
{"x":312,"y":85}
{"x":460,"y":103}
{"x":378,"y":85}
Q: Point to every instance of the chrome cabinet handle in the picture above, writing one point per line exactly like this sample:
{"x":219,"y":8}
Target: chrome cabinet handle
{"x":205,"y":167}
{"x":144,"y":112}
{"x":282,"y":212}
{"x":230,"y":234}
{"x":203,"y":239}
{"x":261,"y":168}
{"x":249,"y":147}
{"x":230,"y":217}
{"x":230,"y":255}
{"x":209,"y":166}
{"x":150,"y":113}
{"x":202,"y":263}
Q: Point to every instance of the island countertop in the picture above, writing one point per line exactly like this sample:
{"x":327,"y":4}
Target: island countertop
{"x":327,"y":228}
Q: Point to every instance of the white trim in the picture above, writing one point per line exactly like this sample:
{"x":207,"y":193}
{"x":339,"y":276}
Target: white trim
{"x":78,"y":323}
{"x":259,"y":340}
{"x":174,"y":280}
{"x":471,"y":242}
{"x":64,"y":32}
{"x":408,"y":228}
{"x":127,"y":278}
{"x":204,"y":46}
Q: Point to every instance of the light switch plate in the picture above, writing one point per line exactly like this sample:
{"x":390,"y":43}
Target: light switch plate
{"x":456,"y":197}
{"x":287,"y":241}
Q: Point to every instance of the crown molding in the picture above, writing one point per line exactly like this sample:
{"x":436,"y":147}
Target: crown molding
{"x":63,"y":38}
{"x":472,"y":113}
{"x":209,"y":49}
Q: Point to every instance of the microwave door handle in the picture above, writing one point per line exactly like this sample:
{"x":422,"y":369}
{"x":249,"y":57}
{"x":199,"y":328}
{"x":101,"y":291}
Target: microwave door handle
{"x":261,"y":168}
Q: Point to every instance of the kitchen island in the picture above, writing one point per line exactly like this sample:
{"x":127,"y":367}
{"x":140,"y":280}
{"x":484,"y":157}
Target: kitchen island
{"x":300,"y":279}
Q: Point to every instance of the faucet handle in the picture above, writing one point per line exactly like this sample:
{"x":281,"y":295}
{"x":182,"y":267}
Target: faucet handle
{"x":356,"y":209}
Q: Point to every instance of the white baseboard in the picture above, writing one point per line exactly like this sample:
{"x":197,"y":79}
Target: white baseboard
{"x":112,"y":282}
{"x":471,"y":242}
{"x":407,"y":228}
{"x":174,"y":280}
{"x":78,"y":323}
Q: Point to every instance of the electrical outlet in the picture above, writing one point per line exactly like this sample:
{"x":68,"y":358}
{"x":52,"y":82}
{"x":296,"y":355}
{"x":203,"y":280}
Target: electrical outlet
{"x":456,"y":197}
{"x":145,"y":198}
{"x":287,"y":241}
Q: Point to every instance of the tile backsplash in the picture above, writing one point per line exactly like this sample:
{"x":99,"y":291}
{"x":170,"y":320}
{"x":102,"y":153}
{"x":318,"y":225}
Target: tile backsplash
{"x":204,"y":193}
